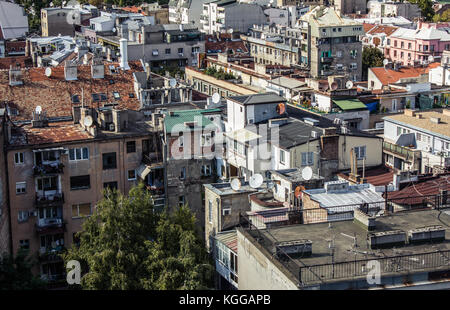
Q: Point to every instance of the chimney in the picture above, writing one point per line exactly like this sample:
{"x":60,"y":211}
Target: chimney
{"x":70,"y":71}
{"x":409,"y":112}
{"x":97,"y":69}
{"x":39,"y":120}
{"x":124,"y":54}
{"x":15,"y":76}
{"x":436,"y":120}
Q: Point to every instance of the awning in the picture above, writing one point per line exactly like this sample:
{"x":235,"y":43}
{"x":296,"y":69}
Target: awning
{"x":350,"y":104}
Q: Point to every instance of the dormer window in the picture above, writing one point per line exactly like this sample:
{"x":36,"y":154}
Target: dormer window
{"x":116,"y":95}
{"x":95,"y":97}
{"x":75,"y":99}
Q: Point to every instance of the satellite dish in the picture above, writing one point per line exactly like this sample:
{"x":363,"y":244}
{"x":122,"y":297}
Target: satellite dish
{"x":349,"y":84}
{"x":48,"y":72}
{"x":430,"y":59}
{"x":230,"y":30}
{"x":114,"y":29}
{"x":281,"y":108}
{"x":256,"y":180}
{"x":173,"y":82}
{"x":314,"y":104}
{"x":408,"y":88}
{"x":215,"y":98}
{"x":307,"y":173}
{"x":235,"y":184}
{"x":385,"y":62}
{"x":334,"y":86}
{"x":38,"y":109}
{"x":88,"y":121}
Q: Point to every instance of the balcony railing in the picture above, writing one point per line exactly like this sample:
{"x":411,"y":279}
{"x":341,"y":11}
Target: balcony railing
{"x":400,"y":150}
{"x":326,"y":59}
{"x":51,"y":254}
{"x":49,"y":225}
{"x":51,"y":168}
{"x":49,"y":199}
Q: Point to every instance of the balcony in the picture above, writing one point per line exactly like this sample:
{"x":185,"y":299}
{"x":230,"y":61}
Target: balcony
{"x":48,"y":168}
{"x":48,"y":225}
{"x":48,"y":200}
{"x":401,"y":151}
{"x":48,"y":254}
{"x":326,"y":59}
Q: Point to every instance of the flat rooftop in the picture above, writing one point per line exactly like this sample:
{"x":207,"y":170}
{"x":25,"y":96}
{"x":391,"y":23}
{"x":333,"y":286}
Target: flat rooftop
{"x":225,"y":188}
{"x":342,"y":233}
{"x":294,"y":175}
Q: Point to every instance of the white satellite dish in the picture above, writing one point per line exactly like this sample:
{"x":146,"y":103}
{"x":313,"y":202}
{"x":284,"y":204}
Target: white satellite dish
{"x":114,"y":29}
{"x":256,"y":180}
{"x":38,"y":109}
{"x":230,"y":30}
{"x":408,"y":88}
{"x":314,"y":104}
{"x":172,"y":82}
{"x":48,"y":72}
{"x":215,"y":98}
{"x":235,"y":184}
{"x":88,"y":121}
{"x":349,"y":84}
{"x":430,"y":59}
{"x":385,"y":62}
{"x":307,"y":173}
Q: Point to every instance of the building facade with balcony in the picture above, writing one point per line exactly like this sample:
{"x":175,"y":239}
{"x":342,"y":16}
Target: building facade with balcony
{"x":417,"y":140}
{"x":186,"y":11}
{"x":223,"y":15}
{"x":408,"y":46}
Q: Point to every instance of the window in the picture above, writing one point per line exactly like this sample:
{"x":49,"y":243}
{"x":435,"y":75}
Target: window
{"x":47,"y":184}
{"x":116,"y":95}
{"x":210,"y":211}
{"x":131,"y":95}
{"x":95,"y":97}
{"x":131,"y":147}
{"x":24,"y":244}
{"x":75,"y":99}
{"x":22,"y":216}
{"x":307,"y":158}
{"x":418,"y":137}
{"x":78,"y":154}
{"x":399,"y":131}
{"x":80,"y":182}
{"x":180,"y":50}
{"x":81,"y":210}
{"x":131,"y":175}
{"x":21,"y":188}
{"x":103,"y":97}
{"x":155,"y":52}
{"x":206,"y":170}
{"x":353,"y":65}
{"x":360,"y":152}
{"x":181,"y":201}
{"x":168,"y":51}
{"x":18,"y":158}
{"x":339,"y":54}
{"x":282,"y":157}
{"x":182,"y":173}
{"x":109,"y":161}
{"x":206,"y":139}
{"x":111,"y":185}
{"x":181,"y":141}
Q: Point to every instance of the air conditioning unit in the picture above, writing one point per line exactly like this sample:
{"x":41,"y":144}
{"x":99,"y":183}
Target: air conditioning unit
{"x":226,"y":211}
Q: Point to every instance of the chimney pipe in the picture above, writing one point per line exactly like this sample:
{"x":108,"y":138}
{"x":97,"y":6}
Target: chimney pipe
{"x":124,"y":54}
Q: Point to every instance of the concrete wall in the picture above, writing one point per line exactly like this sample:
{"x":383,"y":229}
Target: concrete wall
{"x":257,"y":271}
{"x":374,"y":151}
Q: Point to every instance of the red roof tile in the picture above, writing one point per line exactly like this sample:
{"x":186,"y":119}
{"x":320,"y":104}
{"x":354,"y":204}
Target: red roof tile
{"x":368,"y":26}
{"x":388,"y":30}
{"x":224,"y":44}
{"x":54,"y":94}
{"x":389,"y":76}
{"x":7,"y":62}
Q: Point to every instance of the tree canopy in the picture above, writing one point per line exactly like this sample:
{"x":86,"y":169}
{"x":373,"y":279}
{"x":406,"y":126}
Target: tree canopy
{"x":371,"y":57}
{"x":443,"y":17}
{"x":426,"y":8}
{"x":15,"y":273}
{"x":126,"y":245}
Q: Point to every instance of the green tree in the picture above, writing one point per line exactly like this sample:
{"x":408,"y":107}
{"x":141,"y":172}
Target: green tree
{"x":444,"y":17}
{"x":371,"y":57}
{"x":426,"y":8}
{"x":15,"y":273}
{"x":126,"y":245}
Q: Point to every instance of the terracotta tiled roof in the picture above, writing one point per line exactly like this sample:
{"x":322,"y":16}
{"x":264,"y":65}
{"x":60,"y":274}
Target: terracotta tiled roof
{"x":15,"y":46}
{"x":24,"y":61}
{"x":367,"y":27}
{"x":389,"y":76}
{"x":54,"y":133}
{"x":133,"y":9}
{"x":388,"y":30}
{"x":54,"y":94}
{"x":224,"y":44}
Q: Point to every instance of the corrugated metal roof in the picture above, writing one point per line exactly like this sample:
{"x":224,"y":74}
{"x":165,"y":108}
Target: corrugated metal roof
{"x":229,"y":239}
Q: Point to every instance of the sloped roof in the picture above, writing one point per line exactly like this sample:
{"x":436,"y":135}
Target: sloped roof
{"x":389,"y":76}
{"x":258,"y":98}
{"x":13,"y":21}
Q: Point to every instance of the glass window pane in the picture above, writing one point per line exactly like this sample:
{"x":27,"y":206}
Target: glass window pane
{"x":85,"y":153}
{"x":78,"y":154}
{"x":85,"y":209}
{"x":71,"y":154}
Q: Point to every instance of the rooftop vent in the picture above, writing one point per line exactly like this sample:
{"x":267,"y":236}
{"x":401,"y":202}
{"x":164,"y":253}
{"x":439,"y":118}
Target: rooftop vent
{"x":15,"y":76}
{"x":426,"y":234}
{"x":311,"y":121}
{"x":299,"y":248}
{"x":386,"y":239}
{"x":97,"y":69}
{"x":436,"y":120}
{"x":70,"y":71}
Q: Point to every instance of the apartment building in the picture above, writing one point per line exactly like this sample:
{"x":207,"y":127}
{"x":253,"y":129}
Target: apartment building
{"x":351,"y":6}
{"x":332,"y":43}
{"x":408,"y":46}
{"x":376,"y":35}
{"x":281,"y":3}
{"x":441,"y":75}
{"x":303,"y":257}
{"x":417,"y":140}
{"x":223,"y":15}
{"x":160,"y":45}
{"x":13,"y":21}
{"x":65,"y":20}
{"x":388,"y":8}
{"x":186,"y":11}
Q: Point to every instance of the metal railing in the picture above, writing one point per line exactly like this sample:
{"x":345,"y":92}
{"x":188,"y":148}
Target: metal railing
{"x":399,"y":150}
